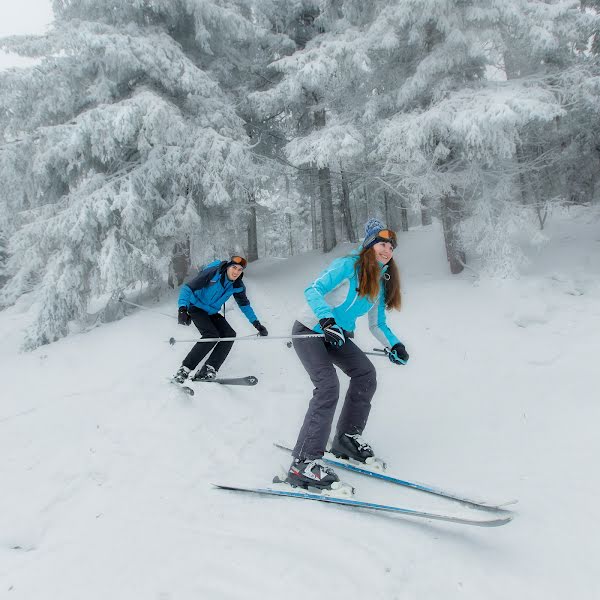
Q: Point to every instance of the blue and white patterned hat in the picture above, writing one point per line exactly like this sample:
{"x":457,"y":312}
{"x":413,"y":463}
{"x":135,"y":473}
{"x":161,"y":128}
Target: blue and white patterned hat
{"x":372,"y":228}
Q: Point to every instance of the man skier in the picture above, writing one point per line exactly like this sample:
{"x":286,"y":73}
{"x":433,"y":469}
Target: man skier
{"x":200,"y":301}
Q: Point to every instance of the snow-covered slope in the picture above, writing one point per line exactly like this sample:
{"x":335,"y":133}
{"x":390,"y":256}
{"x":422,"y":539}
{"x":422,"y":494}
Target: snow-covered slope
{"x":105,"y":469}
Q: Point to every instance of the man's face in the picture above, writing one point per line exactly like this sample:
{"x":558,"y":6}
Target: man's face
{"x":234,"y":271}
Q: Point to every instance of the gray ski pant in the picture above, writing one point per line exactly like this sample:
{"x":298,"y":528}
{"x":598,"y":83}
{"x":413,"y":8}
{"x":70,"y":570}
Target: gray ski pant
{"x":319,"y":358}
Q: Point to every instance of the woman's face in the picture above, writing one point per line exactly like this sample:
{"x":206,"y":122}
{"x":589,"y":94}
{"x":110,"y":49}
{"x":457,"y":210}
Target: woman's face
{"x":384,"y":252}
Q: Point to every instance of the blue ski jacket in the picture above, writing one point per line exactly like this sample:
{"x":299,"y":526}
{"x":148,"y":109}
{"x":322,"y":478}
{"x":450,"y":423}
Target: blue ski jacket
{"x":211,"y":288}
{"x":334,"y":294}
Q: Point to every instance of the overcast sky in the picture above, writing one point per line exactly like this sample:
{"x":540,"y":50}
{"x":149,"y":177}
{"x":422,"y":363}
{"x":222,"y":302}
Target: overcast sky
{"x":22,"y":16}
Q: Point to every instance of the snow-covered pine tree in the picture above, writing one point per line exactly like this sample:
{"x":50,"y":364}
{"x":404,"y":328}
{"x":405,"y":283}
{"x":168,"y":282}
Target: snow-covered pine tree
{"x":301,"y":92}
{"x":122,"y":145}
{"x":414,"y":99}
{"x":454,"y":125}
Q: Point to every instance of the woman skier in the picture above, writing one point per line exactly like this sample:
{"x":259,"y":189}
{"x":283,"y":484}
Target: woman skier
{"x":366,"y":282}
{"x":200,"y":301}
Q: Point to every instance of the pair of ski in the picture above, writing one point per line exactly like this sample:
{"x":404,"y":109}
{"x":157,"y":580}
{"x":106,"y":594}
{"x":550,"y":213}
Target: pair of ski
{"x":186,"y":389}
{"x":501,"y":516}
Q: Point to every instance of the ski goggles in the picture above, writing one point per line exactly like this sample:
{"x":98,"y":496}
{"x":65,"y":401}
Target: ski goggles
{"x":238,"y":260}
{"x":385,"y":235}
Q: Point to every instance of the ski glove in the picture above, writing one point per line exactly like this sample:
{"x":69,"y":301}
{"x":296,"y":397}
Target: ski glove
{"x":398,"y":354}
{"x":183,"y":316}
{"x":334,"y":334}
{"x":262,"y":330}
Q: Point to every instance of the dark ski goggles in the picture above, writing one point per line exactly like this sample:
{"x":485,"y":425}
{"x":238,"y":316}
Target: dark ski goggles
{"x":385,"y":235}
{"x":239,"y":260}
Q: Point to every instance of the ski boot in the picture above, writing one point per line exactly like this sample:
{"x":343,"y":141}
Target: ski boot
{"x":181,"y":375}
{"x":352,"y":447}
{"x":312,"y":476}
{"x":206,"y":373}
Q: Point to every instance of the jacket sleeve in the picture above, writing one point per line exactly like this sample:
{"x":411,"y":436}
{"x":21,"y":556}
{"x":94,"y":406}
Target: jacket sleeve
{"x":244,"y":304}
{"x":337,"y":272}
{"x":201,"y":280}
{"x":378,"y":324}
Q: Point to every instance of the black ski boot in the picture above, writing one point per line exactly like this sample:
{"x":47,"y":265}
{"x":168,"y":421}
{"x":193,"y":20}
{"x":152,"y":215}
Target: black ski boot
{"x":307,"y":473}
{"x":181,"y":375}
{"x":351,"y":446}
{"x":206,"y":373}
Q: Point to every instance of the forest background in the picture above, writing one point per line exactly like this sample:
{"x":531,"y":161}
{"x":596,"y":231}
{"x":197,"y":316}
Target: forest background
{"x":151,"y":136}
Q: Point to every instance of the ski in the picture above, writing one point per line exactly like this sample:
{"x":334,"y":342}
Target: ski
{"x":409,"y":512}
{"x":184,"y":388}
{"x":249,"y":380}
{"x":363,"y":469}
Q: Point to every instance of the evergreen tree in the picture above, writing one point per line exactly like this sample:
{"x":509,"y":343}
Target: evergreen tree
{"x":121,"y":147}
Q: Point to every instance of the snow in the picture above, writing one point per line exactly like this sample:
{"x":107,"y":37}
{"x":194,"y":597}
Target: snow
{"x":106,"y":469}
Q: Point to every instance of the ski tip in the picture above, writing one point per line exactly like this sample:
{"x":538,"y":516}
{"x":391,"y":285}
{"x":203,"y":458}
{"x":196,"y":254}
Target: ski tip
{"x":508,"y":503}
{"x":491,"y":505}
{"x":498,"y":522}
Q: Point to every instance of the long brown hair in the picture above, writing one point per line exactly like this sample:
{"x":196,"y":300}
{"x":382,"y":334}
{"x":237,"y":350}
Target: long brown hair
{"x":369,"y":276}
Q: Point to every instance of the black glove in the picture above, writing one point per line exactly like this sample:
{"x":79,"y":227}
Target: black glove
{"x":398,"y":354}
{"x":262,"y":330}
{"x":334,"y":334}
{"x":183,"y":316}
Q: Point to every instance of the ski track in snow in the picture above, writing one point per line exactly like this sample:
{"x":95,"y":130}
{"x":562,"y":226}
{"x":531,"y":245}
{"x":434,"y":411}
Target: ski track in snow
{"x":105,"y":469}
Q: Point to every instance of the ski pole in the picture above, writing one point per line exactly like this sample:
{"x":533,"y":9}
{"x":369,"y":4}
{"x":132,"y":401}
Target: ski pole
{"x":248,"y":338}
{"x":122,"y":299}
{"x":378,"y":352}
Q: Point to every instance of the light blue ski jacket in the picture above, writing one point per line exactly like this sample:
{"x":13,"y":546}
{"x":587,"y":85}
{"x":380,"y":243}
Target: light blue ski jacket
{"x":334,"y":294}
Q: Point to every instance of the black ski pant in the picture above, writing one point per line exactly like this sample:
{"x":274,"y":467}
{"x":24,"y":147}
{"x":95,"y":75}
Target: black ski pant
{"x":319,"y":358}
{"x":209,"y":326}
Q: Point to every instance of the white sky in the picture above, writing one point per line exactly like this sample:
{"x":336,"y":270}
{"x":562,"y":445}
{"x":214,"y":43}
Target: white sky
{"x":22,"y":17}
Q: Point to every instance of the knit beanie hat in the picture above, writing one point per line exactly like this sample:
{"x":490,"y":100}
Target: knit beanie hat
{"x":372,"y":228}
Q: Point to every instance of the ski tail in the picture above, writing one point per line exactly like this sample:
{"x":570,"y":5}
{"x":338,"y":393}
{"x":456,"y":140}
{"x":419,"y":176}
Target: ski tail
{"x":184,"y":388}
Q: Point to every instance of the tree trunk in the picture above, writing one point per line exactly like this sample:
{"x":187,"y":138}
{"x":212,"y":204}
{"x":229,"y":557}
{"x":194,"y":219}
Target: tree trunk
{"x":327,"y":219}
{"x":252,"y":235}
{"x":404,"y":215}
{"x":450,"y":206}
{"x":180,"y":263}
{"x":390,"y":212}
{"x":346,"y":213}
{"x":290,"y":238}
{"x":425,"y":212}
{"x":313,"y":209}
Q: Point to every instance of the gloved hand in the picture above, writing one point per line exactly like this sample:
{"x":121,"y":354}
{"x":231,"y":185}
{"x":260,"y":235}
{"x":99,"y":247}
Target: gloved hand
{"x":334,"y":334}
{"x":183,"y":316}
{"x":262,"y":330}
{"x":398,"y":354}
